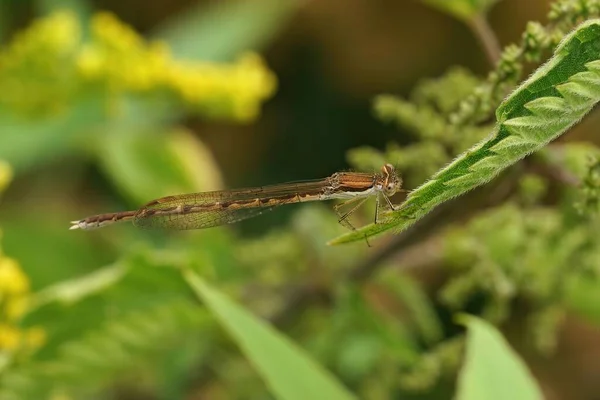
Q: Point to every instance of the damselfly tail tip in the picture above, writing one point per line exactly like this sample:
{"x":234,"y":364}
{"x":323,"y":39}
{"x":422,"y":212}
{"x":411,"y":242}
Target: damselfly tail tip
{"x":75,"y":225}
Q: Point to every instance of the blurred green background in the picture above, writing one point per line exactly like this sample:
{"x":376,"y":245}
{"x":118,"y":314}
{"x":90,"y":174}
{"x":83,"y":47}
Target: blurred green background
{"x":105,"y":105}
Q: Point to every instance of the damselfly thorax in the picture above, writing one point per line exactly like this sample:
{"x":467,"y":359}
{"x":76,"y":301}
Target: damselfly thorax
{"x":208,"y":209}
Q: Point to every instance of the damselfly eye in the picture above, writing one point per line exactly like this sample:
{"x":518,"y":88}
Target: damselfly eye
{"x":387,"y":169}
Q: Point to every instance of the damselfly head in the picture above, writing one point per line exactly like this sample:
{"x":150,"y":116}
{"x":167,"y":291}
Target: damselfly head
{"x":391,"y":182}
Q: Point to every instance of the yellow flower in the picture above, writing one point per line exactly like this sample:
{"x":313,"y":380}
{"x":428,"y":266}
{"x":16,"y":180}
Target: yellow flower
{"x":45,"y":67}
{"x":10,"y":337}
{"x":36,"y":71}
{"x":226,"y":90}
{"x":15,"y":307}
{"x":13,"y":338}
{"x":121,"y":59}
{"x":47,"y":38}
{"x":118,"y":56}
{"x":14,"y":290}
{"x":12,"y":279}
{"x":6,"y":175}
{"x":89,"y":62}
{"x":254,"y":82}
{"x":110,"y":32}
{"x":14,"y":300}
{"x":35,"y":337}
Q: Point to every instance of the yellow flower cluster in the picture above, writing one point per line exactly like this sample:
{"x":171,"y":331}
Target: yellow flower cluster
{"x":235,"y":89}
{"x":48,"y":65}
{"x":14,"y":295}
{"x":120,"y":58}
{"x":14,"y":298}
{"x":36,"y":71}
{"x":125,"y":62}
{"x":6,"y":175}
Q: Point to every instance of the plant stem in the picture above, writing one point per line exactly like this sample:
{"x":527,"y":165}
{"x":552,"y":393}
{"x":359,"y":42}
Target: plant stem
{"x":487,"y":38}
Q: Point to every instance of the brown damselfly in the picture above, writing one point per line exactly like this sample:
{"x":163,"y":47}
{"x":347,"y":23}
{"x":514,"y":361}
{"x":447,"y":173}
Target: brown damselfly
{"x":208,"y":209}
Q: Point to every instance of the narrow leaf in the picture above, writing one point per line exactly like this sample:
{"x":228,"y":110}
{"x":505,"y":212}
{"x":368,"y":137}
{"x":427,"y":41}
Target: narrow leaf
{"x":286,"y":368}
{"x":420,"y":306}
{"x":74,"y":290}
{"x":147,"y":165}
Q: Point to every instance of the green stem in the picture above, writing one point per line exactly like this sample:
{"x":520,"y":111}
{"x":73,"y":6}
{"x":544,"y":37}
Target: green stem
{"x":487,"y":38}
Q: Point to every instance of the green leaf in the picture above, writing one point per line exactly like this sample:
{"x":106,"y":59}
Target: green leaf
{"x":286,"y":368}
{"x":419,"y":305}
{"x":461,"y":9}
{"x":74,"y":306}
{"x":73,"y":290}
{"x":119,"y":344}
{"x":58,"y":253}
{"x":492,"y":370}
{"x":546,"y":105}
{"x":27,"y":143}
{"x":227,"y":28}
{"x":147,"y":165}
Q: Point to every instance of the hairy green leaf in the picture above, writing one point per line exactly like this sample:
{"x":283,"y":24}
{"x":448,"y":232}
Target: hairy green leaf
{"x":287,"y":369}
{"x":546,"y":105}
{"x":492,"y":370}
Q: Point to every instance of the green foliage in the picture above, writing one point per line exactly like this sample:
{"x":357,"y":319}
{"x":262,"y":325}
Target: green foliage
{"x":421,"y":309}
{"x":83,"y":364}
{"x":503,"y":264}
{"x":425,"y":116}
{"x":151,"y":164}
{"x":537,"y":39}
{"x":289,"y":372}
{"x":92,"y":89}
{"x":590,"y":203}
{"x":72,"y":291}
{"x":492,"y":370}
{"x":552,"y":100}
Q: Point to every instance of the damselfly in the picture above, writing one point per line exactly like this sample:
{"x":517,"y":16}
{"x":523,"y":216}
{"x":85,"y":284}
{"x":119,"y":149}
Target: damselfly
{"x":208,"y":209}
